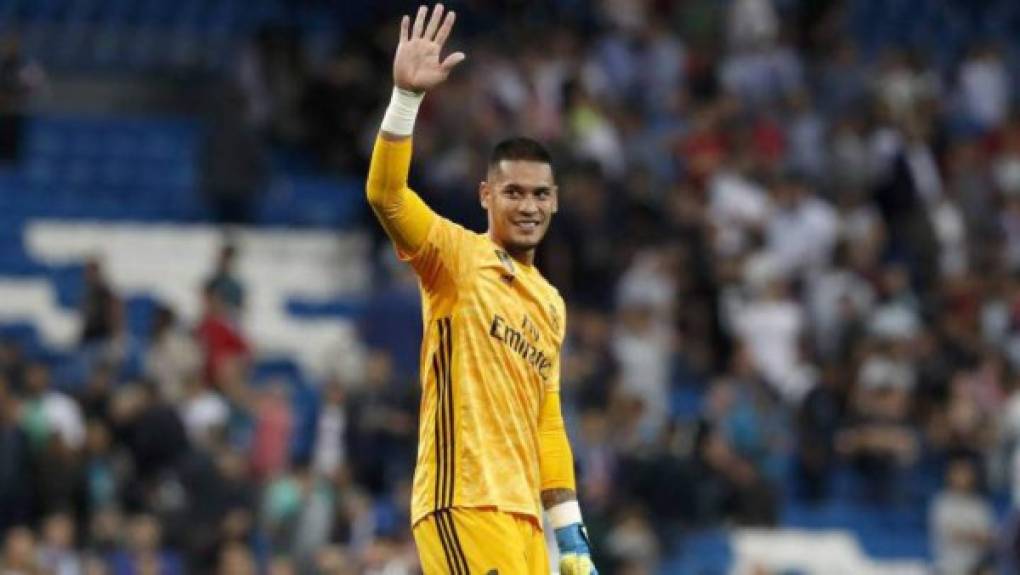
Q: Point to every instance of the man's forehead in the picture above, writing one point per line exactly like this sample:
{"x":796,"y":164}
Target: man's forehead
{"x":522,"y":172}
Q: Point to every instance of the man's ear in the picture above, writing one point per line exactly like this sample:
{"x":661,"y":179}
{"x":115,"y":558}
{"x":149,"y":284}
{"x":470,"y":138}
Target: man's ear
{"x":483,"y":194}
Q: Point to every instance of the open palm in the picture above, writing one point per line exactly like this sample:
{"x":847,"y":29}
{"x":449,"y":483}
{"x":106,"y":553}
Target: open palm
{"x":417,"y":65}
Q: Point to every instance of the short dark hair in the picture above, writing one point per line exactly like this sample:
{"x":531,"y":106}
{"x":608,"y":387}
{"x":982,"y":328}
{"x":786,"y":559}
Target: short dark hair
{"x":519,"y":149}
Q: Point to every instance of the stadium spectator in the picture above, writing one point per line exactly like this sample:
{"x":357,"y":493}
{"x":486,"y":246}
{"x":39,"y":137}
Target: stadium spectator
{"x":11,"y":364}
{"x":99,"y":305}
{"x":632,"y":541}
{"x":642,"y":342}
{"x":203,"y":411}
{"x":50,"y":415}
{"x":145,"y":552}
{"x":273,"y":430}
{"x":225,"y":349}
{"x":20,"y":553}
{"x":221,"y":501}
{"x":57,"y":553}
{"x":298,"y":509}
{"x":97,"y":391}
{"x":749,"y":415}
{"x":962,"y":522}
{"x":224,"y":279}
{"x":152,"y":433}
{"x":763,"y":72}
{"x":236,"y":559}
{"x":771,"y":324}
{"x":984,"y":88}
{"x":878,"y":438}
{"x":752,"y":23}
{"x":818,"y":421}
{"x":332,"y":428}
{"x":383,"y":435}
{"x":16,"y":477}
{"x":581,"y":251}
{"x":842,"y":85}
{"x":173,"y":357}
{"x":590,"y":370}
{"x":102,"y":489}
{"x":19,"y":78}
{"x":802,"y":228}
{"x":334,"y":560}
{"x":727,"y":487}
{"x":905,"y":86}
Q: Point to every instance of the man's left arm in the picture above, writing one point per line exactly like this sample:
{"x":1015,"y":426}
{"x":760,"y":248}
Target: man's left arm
{"x":559,"y":490}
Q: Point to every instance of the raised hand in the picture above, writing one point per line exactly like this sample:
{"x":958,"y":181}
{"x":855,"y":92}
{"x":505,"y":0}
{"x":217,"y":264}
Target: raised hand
{"x":417,"y":66}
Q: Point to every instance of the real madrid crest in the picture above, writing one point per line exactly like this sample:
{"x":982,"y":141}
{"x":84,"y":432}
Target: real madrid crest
{"x":508,"y":265}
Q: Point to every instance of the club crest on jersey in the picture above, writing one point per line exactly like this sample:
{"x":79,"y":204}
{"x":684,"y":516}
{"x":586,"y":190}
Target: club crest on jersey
{"x":554,"y":316}
{"x":508,"y":264}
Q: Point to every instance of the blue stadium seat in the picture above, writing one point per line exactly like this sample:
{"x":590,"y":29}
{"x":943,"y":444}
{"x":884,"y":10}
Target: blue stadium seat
{"x":337,"y":308}
{"x":702,"y":552}
{"x":139,"y":312}
{"x":106,"y":168}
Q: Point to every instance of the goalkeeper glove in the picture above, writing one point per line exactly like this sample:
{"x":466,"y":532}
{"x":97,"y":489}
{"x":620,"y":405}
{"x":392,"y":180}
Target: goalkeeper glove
{"x":572,"y":540}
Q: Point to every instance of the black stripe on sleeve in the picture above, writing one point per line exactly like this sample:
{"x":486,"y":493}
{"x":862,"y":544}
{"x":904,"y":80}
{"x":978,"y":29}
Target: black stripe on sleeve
{"x":451,"y":436}
{"x":438,"y":443}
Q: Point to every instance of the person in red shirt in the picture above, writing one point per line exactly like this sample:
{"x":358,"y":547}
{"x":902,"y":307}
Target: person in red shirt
{"x":224,"y":345}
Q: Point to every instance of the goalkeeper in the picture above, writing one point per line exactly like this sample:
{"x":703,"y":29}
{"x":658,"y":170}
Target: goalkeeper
{"x":492,"y":448}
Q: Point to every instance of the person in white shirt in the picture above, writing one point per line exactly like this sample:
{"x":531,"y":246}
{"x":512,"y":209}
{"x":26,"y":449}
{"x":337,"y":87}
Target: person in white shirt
{"x":961,"y":522}
{"x":984,"y":88}
{"x":57,"y":554}
{"x":802,"y":228}
{"x":48,"y":411}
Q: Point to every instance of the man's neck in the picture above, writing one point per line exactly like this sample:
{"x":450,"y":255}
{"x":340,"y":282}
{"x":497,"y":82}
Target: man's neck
{"x":524,"y":256}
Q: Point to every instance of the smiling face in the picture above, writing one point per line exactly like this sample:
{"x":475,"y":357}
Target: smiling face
{"x":520,"y":197}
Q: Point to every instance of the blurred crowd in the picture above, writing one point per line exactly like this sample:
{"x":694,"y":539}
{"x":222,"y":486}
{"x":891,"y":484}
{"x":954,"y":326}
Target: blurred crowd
{"x":792,"y":272}
{"x":166,"y":458}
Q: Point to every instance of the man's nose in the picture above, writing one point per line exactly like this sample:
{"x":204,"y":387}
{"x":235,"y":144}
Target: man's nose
{"x":528,"y":205}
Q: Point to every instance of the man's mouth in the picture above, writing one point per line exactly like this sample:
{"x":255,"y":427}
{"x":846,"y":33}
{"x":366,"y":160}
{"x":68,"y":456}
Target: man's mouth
{"x":527,"y":225}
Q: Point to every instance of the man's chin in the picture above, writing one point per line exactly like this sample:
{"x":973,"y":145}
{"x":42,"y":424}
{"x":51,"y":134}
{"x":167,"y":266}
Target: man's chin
{"x":523,"y":244}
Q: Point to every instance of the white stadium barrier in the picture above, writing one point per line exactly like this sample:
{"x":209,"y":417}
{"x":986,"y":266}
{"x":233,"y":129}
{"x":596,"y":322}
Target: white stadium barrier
{"x":811,"y":552}
{"x":170,"y":262}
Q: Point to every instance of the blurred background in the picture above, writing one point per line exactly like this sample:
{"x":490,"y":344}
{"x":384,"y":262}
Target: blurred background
{"x":789,"y":239}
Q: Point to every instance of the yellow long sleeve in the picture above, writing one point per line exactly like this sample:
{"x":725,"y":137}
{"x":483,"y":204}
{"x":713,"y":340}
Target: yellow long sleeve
{"x":402,"y":213}
{"x":556,"y":460}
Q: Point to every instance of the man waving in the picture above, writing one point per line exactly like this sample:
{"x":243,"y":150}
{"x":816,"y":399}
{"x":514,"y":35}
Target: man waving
{"x":492,"y":448}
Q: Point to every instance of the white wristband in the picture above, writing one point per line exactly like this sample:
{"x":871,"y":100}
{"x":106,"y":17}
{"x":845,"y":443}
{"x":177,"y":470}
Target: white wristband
{"x":563,"y":514}
{"x":403,"y":109}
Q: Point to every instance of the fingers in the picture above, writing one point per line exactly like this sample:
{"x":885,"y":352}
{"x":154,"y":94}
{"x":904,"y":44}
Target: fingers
{"x":452,"y":60}
{"x":444,"y":30}
{"x":437,"y":17}
{"x":419,"y":22}
{"x":405,"y":25}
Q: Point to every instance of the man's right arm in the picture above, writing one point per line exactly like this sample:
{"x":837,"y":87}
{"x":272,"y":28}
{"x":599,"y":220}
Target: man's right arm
{"x":416,"y":69}
{"x":403,"y":214}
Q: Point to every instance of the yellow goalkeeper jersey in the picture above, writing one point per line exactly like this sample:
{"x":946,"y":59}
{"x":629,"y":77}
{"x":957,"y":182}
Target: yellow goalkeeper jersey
{"x":490,"y":355}
{"x":491,"y":432}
